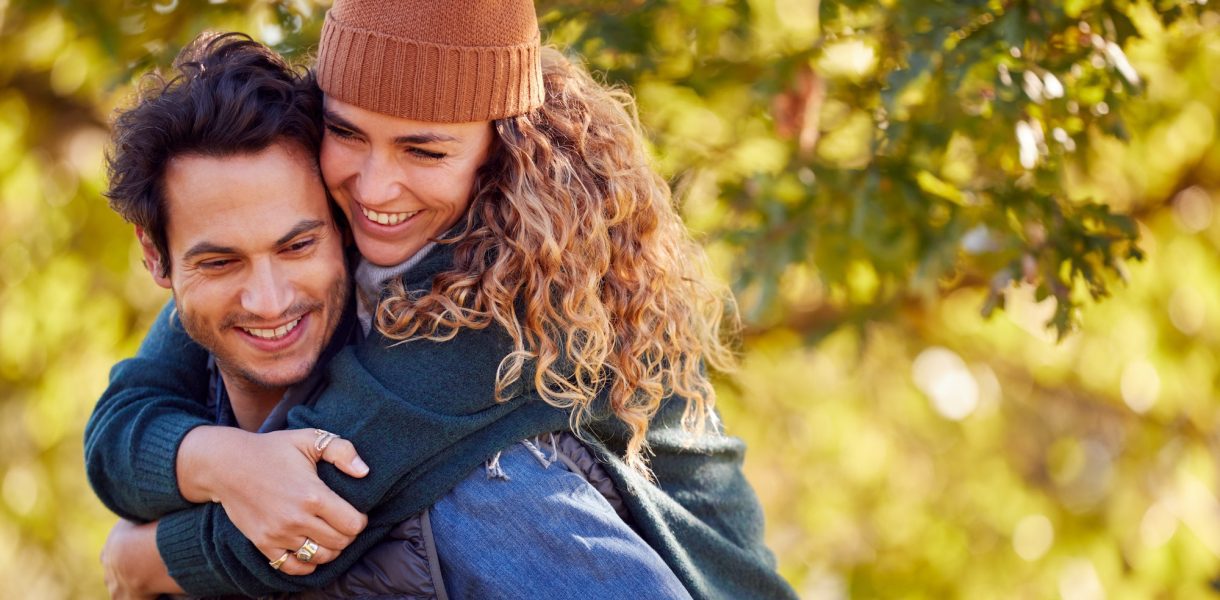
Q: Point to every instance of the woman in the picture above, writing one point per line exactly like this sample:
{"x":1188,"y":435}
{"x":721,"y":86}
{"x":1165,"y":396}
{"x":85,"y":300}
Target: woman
{"x":563,"y":294}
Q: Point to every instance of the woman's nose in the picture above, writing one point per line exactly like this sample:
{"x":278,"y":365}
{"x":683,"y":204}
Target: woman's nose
{"x":380,"y":180}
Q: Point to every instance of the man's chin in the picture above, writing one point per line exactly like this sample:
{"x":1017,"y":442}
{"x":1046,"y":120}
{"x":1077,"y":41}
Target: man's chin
{"x":276,"y":377}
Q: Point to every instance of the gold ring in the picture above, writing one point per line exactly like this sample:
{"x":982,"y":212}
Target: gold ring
{"x":279,"y":562}
{"x":307,"y":550}
{"x":323,"y":439}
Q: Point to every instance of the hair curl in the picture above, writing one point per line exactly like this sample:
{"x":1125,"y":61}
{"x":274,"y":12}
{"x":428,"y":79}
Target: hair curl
{"x":572,"y":244}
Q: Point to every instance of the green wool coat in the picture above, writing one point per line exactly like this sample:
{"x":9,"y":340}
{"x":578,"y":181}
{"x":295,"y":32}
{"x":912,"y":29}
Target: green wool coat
{"x":422,"y":415}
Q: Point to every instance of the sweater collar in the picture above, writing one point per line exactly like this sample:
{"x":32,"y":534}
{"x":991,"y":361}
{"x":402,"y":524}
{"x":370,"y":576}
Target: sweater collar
{"x":371,"y":282}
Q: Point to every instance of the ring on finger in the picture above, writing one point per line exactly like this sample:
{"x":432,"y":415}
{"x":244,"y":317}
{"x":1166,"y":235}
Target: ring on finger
{"x":279,"y":562}
{"x":307,"y":551}
{"x":323,"y":439}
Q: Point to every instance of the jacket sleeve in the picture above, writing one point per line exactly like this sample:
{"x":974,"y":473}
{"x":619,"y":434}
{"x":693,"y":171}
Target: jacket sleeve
{"x":698,"y":511}
{"x":152,"y":402}
{"x":208,"y":556}
{"x":421,"y":414}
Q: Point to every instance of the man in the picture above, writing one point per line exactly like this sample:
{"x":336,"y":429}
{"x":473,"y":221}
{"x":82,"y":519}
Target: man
{"x":217,"y":170}
{"x":241,"y":230}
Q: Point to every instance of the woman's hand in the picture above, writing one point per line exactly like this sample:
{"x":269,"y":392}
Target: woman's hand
{"x":268,"y":485}
{"x":133,"y":568}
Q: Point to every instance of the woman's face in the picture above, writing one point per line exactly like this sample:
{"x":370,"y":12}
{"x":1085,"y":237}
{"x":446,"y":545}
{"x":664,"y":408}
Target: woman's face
{"x":401,"y":183}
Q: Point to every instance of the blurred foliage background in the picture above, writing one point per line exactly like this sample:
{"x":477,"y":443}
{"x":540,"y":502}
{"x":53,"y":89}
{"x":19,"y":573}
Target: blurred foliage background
{"x":920,"y":205}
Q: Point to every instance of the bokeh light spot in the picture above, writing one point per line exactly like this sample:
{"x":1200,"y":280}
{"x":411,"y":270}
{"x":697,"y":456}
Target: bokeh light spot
{"x":165,"y":8}
{"x":1187,"y":309}
{"x":69,"y":71}
{"x":85,"y":151}
{"x":21,"y":489}
{"x":944,"y":377}
{"x":1140,"y":385}
{"x":1032,"y":537}
{"x":1027,"y":141}
{"x":1079,"y":581}
{"x":851,"y":59}
{"x":1193,"y":209}
{"x":1159,"y":524}
{"x":9,"y":540}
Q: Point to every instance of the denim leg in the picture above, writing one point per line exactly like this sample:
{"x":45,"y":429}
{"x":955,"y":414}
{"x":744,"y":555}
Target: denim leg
{"x":543,"y":532}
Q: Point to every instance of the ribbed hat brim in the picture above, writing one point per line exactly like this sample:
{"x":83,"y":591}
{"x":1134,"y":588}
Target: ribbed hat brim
{"x":425,"y":81}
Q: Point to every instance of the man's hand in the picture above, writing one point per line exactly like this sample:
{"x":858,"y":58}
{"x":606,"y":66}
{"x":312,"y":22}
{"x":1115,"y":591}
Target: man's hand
{"x":268,"y":485}
{"x":132,"y":566}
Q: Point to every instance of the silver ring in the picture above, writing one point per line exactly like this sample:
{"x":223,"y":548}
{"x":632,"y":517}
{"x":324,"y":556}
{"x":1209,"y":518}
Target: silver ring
{"x":323,"y":439}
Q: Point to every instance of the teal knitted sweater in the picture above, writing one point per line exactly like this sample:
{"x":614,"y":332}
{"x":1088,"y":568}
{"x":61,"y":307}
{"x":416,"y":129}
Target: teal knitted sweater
{"x":423,"y":416}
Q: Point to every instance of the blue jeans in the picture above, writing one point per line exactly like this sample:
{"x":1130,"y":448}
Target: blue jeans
{"x":543,"y":532}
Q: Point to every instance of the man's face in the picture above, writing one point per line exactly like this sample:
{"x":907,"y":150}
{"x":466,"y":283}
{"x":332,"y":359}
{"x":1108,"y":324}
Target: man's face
{"x":256,"y":262}
{"x":401,"y":183}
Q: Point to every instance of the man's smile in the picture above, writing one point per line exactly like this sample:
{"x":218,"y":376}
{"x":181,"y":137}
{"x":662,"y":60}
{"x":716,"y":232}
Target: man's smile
{"x":275,"y":339}
{"x":273,"y":333}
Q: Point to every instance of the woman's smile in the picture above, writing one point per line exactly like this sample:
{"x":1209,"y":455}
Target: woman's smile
{"x":387,"y":218}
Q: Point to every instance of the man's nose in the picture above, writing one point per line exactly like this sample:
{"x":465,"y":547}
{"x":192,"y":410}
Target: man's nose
{"x":380,"y":180}
{"x":268,"y":293}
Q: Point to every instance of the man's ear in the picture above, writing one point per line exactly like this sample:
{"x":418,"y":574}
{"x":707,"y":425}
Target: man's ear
{"x":152,"y":258}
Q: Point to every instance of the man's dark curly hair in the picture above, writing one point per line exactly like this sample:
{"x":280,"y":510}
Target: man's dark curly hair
{"x":229,"y":95}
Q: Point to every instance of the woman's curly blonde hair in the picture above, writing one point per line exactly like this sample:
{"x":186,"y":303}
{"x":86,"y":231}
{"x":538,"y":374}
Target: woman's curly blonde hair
{"x":572,"y":245}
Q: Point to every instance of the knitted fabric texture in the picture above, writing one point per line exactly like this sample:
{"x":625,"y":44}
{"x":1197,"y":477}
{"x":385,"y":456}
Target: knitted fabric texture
{"x":449,"y":62}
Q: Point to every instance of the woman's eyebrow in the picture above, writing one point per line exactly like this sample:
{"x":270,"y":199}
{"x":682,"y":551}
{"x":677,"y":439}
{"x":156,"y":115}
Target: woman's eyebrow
{"x":424,"y":138}
{"x":402,"y":140}
{"x":335,"y":119}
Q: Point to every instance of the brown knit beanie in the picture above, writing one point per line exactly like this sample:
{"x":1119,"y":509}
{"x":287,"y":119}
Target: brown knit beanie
{"x":449,"y":61}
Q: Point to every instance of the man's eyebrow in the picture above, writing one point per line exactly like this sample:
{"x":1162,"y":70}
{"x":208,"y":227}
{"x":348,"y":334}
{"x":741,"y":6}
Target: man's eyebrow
{"x":210,"y":248}
{"x":207,"y":248}
{"x":418,"y":139}
{"x":302,"y":227}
